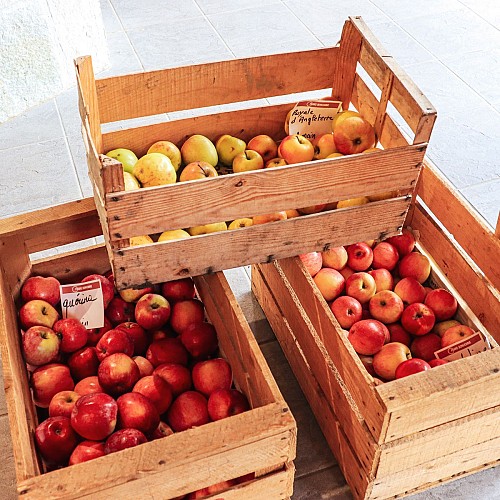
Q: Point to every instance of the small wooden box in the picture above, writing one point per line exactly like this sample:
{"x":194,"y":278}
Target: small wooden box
{"x":343,"y":72}
{"x":262,"y":440}
{"x":413,"y":433}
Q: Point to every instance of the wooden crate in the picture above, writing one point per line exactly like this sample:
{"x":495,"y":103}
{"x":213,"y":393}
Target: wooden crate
{"x":417,"y":432}
{"x":336,"y":70}
{"x":262,"y":440}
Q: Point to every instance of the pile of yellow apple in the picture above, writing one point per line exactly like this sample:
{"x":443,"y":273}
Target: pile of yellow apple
{"x":199,"y":158}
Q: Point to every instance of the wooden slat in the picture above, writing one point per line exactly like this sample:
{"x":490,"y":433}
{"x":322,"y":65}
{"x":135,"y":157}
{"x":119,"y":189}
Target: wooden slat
{"x":464,"y":387}
{"x":345,"y":64}
{"x":228,"y":197}
{"x":204,"y":254}
{"x":197,"y":86}
{"x":357,"y":381}
{"x":440,"y":441}
{"x":244,"y":124}
{"x":312,"y":366}
{"x":480,"y":295}
{"x":323,"y":406}
{"x":462,"y":221}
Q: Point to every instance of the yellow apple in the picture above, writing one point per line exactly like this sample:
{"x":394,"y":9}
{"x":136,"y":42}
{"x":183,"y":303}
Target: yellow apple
{"x":313,"y":209}
{"x":372,"y":150}
{"x":340,"y":117}
{"x":335,"y":155}
{"x":324,"y":146}
{"x":141,"y":240}
{"x":239,"y":223}
{"x":197,"y":170}
{"x":246,"y":161}
{"x":263,"y":219}
{"x":275,"y":162}
{"x":383,"y":196}
{"x":154,"y":169}
{"x":296,"y":149}
{"x":228,"y":147}
{"x":352,"y":202}
{"x":173,"y":234}
{"x":207,"y":228}
{"x":265,"y":146}
{"x":131,"y":183}
{"x":292,"y":213}
{"x":287,"y":122}
{"x":169,"y":149}
{"x":199,"y":148}
{"x":126,"y":157}
{"x":354,"y":135}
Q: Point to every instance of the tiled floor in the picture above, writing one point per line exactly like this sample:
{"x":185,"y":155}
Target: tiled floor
{"x":451,"y":48}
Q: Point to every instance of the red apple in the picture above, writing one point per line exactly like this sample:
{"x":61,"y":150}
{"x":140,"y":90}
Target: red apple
{"x":368,"y":336}
{"x":85,"y":451}
{"x":189,"y":409}
{"x":404,"y":242}
{"x":354,"y":135}
{"x":368,"y":364}
{"x":418,"y":319}
{"x":335,"y":257}
{"x":347,"y":310}
{"x":72,"y":333}
{"x":200,"y":340}
{"x":390,"y":356}
{"x":185,"y":312}
{"x":423,"y":347}
{"x":120,"y":311}
{"x":442,"y":303}
{"x":40,"y":345}
{"x":311,"y":209}
{"x":386,"y":306}
{"x":117,"y":373}
{"x":61,"y":405}
{"x":167,"y":351}
{"x":398,"y":334}
{"x":114,"y":341}
{"x":178,"y":376}
{"x":37,"y":313}
{"x":211,"y":490}
{"x":437,"y":362}
{"x":224,"y":403}
{"x":296,"y":149}
{"x":152,"y":311}
{"x":94,"y":416}
{"x":136,"y":411}
{"x":211,"y":375}
{"x":55,"y":440}
{"x":415,"y":265}
{"x":83,"y":363}
{"x":145,"y":367}
{"x":163,"y":430}
{"x":39,"y":287}
{"x":95,"y":334}
{"x":123,"y":439}
{"x":264,"y":145}
{"x":383,"y":279}
{"x":88,"y":385}
{"x":359,"y":256}
{"x":107,"y":286}
{"x":137,"y":334}
{"x":361,"y":286}
{"x":157,"y":390}
{"x":47,"y":380}
{"x":411,"y":366}
{"x":385,"y":256}
{"x":182,"y":289}
{"x":134,"y":294}
{"x":312,"y":262}
{"x":330,"y":283}
{"x":454,"y":334}
{"x":410,"y":291}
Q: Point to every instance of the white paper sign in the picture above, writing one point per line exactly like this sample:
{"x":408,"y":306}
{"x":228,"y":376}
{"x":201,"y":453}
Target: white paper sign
{"x":84,"y":302}
{"x":312,"y":119}
{"x":463,"y":348}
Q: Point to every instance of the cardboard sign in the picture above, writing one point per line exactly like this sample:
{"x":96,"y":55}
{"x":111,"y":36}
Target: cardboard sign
{"x":467,"y":347}
{"x":84,"y":302}
{"x":312,"y":119}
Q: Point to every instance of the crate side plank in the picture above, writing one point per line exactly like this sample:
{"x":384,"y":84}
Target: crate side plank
{"x":135,"y":266}
{"x":162,"y":91}
{"x":175,"y":465}
{"x":229,"y":197}
{"x":462,"y":221}
{"x":275,"y":298}
{"x":339,"y":443}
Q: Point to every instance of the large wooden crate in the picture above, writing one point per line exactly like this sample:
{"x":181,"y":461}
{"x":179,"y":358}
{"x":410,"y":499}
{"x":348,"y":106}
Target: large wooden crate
{"x":262,"y":440}
{"x":343,"y":72}
{"x":417,"y":432}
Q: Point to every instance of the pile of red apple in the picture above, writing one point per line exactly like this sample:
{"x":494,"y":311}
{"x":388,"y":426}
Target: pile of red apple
{"x":151,"y":370}
{"x":378,"y":292}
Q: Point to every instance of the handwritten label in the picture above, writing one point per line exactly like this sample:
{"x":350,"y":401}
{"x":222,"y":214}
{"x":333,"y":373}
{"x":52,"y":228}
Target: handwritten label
{"x":463,"y":348}
{"x":84,"y":302}
{"x":312,"y":119}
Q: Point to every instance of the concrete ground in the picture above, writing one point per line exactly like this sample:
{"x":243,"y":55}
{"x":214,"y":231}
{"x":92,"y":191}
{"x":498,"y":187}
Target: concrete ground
{"x":451,"y":48}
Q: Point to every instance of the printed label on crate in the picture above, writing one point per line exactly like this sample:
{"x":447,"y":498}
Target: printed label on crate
{"x":467,"y":347}
{"x":84,"y":302}
{"x":313,"y":118}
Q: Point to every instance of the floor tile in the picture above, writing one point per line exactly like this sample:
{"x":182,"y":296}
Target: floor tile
{"x":78,"y":154}
{"x":489,"y":10}
{"x":38,"y":124}
{"x":44,"y":254}
{"x":177,"y":44}
{"x":44,"y":176}
{"x":111,"y":22}
{"x":329,"y":481}
{"x":67,"y":105}
{"x":122,"y":56}
{"x":397,"y":10}
{"x":209,"y":7}
{"x":485,"y":198}
{"x":262,"y":331}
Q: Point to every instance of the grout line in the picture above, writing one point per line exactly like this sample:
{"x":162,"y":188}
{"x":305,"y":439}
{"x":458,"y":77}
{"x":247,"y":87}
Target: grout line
{"x":478,"y":15}
{"x":302,"y":22}
{"x":478,"y":184}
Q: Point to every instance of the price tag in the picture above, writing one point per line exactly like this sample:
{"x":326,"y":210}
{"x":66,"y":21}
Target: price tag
{"x":312,"y":119}
{"x":467,"y":347}
{"x":84,"y":302}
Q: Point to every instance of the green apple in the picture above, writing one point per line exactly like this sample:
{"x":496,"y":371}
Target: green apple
{"x":199,"y":148}
{"x":169,"y":149}
{"x":126,"y":157}
{"x":131,"y":183}
{"x":174,"y":234}
{"x":228,"y":147}
{"x":248,"y":160}
{"x":207,"y":228}
{"x":154,"y":169}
